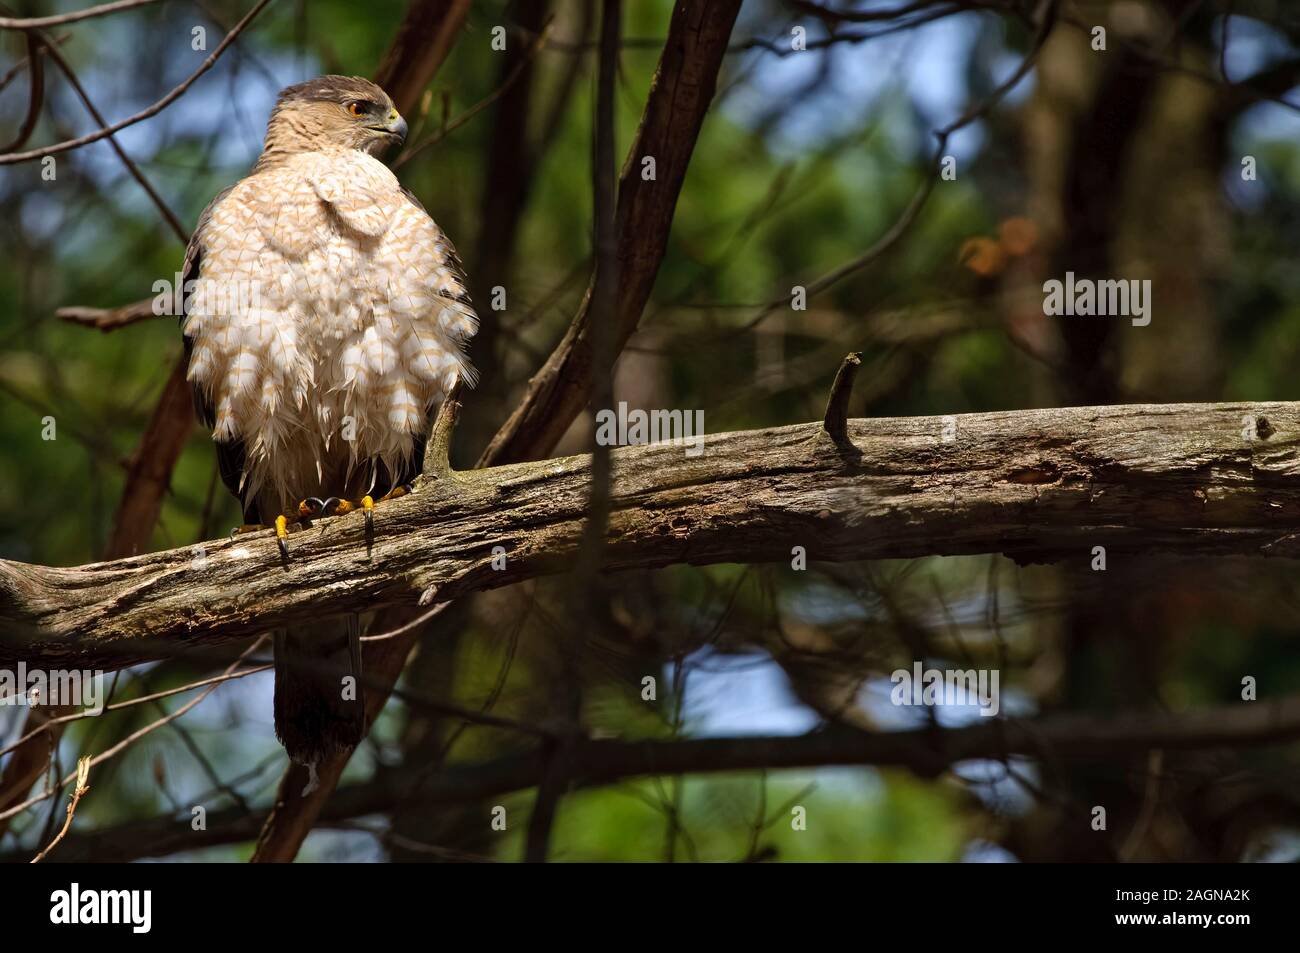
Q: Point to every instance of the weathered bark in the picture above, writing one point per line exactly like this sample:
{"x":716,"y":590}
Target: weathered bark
{"x":1036,"y":485}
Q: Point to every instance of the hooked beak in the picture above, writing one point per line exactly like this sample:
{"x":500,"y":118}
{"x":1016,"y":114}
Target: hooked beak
{"x":396,"y":126}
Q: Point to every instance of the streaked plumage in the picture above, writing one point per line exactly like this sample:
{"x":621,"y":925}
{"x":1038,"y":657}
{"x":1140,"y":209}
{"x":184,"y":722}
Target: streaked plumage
{"x":358,"y":327}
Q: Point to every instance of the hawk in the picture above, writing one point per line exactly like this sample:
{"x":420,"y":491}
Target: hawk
{"x":326,"y":316}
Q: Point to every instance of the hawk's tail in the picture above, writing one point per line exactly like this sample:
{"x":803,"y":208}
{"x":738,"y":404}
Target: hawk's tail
{"x":319,"y":705}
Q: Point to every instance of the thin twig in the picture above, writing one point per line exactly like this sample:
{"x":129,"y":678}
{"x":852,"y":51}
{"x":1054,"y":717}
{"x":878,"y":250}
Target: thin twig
{"x":68,"y":144}
{"x":131,"y":738}
{"x":83,"y":774}
{"x":1047,"y":20}
{"x":40,"y":23}
{"x":450,"y":127}
{"x":107,"y":319}
{"x":168,"y":215}
{"x":144,"y":699}
{"x":36,"y":93}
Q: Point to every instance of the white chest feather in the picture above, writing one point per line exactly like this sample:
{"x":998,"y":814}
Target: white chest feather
{"x":327,"y":320}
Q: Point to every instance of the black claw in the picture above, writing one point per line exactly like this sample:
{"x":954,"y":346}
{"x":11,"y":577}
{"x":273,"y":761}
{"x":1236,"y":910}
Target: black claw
{"x":370,"y":521}
{"x":284,"y":547}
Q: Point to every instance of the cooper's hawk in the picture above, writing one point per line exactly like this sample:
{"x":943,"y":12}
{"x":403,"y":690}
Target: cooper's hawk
{"x":326,"y":316}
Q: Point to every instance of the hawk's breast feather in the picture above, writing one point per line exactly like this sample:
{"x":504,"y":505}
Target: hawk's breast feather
{"x":329,"y":317}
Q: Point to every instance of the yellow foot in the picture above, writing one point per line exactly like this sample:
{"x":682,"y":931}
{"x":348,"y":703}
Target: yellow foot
{"x":282,"y":534}
{"x":314,"y":506}
{"x":306,"y":510}
{"x":367,"y":504}
{"x":281,"y":527}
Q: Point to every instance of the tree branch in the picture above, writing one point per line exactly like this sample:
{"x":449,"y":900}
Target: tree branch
{"x":1036,"y":485}
{"x":680,"y":96}
{"x":423,"y":41}
{"x":926,"y":751}
{"x":10,"y":158}
{"x":836,"y":421}
{"x":38,"y":23}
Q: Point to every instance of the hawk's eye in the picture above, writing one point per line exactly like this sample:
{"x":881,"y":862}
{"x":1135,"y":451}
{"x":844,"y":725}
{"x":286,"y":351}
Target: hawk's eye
{"x":356,"y":109}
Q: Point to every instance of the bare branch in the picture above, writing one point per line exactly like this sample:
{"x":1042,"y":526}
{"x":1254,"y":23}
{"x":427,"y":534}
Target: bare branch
{"x":129,"y":740}
{"x":1047,"y":17}
{"x":150,"y":468}
{"x":926,"y":751}
{"x":434,"y":138}
{"x":12,"y":158}
{"x":168,"y":215}
{"x":80,"y":791}
{"x":35,"y":93}
{"x":680,"y":96}
{"x":55,"y":722}
{"x":108,"y":319}
{"x":1036,"y":484}
{"x":873,"y":16}
{"x":425,"y":37}
{"x":40,"y":23}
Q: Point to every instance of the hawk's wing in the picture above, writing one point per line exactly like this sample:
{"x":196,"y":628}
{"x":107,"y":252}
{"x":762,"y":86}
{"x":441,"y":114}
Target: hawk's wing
{"x":230,"y":453}
{"x":416,"y":464}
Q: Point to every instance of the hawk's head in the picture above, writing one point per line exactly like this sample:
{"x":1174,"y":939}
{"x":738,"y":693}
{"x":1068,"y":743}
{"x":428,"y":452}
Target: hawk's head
{"x":334,"y":111}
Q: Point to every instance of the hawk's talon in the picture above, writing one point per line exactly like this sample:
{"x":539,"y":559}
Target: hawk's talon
{"x":397,"y":491}
{"x":282,"y":533}
{"x":368,"y":503}
{"x":312,"y":506}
